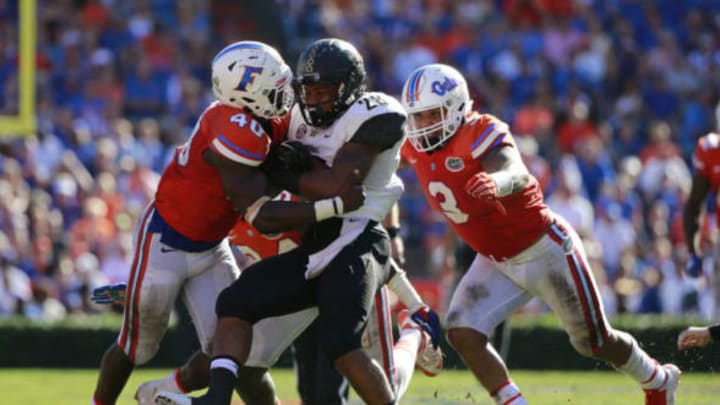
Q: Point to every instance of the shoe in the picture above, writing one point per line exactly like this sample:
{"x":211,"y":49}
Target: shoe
{"x":429,"y":360}
{"x":665,"y":395}
{"x":172,"y":398}
{"x":145,"y":394}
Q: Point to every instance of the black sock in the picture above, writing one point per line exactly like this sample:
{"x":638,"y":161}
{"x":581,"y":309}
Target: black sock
{"x":222,"y":383}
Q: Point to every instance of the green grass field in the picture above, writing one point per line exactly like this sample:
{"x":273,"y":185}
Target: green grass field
{"x":74,"y":386}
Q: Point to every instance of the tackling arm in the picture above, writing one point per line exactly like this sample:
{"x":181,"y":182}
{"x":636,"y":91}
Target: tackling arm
{"x":243,"y":184}
{"x":351,"y":165}
{"x":335,"y":190}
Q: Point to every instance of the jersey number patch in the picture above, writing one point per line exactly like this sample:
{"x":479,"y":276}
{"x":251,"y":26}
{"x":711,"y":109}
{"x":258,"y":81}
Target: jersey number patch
{"x":373,"y":101}
{"x":449,"y":203}
{"x":284,"y":245}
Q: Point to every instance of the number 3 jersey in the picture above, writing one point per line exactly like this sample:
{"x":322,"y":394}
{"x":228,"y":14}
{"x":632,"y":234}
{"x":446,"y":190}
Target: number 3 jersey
{"x":442,"y":174}
{"x":190,"y":196}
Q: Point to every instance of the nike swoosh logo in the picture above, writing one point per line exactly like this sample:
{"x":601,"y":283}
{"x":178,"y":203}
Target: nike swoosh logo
{"x":166,"y":250}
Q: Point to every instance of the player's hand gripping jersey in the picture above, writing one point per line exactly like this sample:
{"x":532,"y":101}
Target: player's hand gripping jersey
{"x":190,"y":196}
{"x":443,"y":173}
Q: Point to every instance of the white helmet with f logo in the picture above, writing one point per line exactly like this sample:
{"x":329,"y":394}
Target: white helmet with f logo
{"x":253,"y":76}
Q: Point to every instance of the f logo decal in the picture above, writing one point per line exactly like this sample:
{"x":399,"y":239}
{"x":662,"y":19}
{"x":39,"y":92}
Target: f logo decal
{"x":248,"y":77}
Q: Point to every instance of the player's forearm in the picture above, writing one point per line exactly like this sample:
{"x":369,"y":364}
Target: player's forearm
{"x":506,"y":168}
{"x":519,"y":175}
{"x":278,"y":216}
{"x":508,"y":181}
{"x":392,"y":219}
{"x":281,"y":216}
{"x":691,"y":224}
{"x":319,"y":184}
{"x":691,"y":214}
{"x":401,"y":286}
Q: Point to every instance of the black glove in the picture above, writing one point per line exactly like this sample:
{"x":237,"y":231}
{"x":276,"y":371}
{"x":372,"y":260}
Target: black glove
{"x":289,"y":156}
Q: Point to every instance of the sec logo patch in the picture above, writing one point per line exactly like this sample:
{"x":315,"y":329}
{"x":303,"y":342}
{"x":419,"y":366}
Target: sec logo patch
{"x":301,"y":131}
{"x":454,"y":164}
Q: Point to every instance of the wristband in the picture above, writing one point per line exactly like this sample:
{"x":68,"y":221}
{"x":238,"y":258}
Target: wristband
{"x":392,"y":231}
{"x":503,"y":182}
{"x":328,"y":208}
{"x":715,"y":332}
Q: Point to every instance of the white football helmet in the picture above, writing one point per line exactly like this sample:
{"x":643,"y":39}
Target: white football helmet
{"x":432,"y":87}
{"x":253,"y":75}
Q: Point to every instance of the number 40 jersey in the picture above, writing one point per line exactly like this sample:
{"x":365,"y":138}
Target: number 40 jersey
{"x":443,"y":172}
{"x":190,"y":196}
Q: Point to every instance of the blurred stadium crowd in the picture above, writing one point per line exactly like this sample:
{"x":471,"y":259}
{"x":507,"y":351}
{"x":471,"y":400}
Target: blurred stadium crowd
{"x":607,"y":98}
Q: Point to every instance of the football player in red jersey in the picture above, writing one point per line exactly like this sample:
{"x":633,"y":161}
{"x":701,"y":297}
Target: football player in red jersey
{"x":180,"y":241}
{"x":470,"y":170}
{"x":318,"y":381}
{"x":706,"y":180}
{"x":344,"y":258}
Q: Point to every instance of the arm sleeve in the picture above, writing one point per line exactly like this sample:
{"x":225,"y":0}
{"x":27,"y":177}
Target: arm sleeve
{"x":698,"y":158}
{"x":383,"y":130}
{"x":243,"y":141}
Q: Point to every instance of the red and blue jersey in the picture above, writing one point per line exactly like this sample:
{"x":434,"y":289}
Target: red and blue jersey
{"x":443,"y":173}
{"x":257,"y":246}
{"x":190,"y":196}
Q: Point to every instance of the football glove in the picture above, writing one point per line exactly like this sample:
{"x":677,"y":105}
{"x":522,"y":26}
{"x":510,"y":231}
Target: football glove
{"x":430,"y":322}
{"x":109,"y":294}
{"x":290,"y":156}
{"x":693,"y":266}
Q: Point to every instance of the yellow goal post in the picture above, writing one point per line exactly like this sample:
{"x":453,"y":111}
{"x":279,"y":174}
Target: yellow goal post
{"x":24,"y":122}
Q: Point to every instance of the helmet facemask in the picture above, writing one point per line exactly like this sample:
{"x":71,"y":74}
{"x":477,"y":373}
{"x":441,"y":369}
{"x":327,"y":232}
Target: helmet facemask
{"x":329,"y":61}
{"x":426,"y":137}
{"x":321,"y":113}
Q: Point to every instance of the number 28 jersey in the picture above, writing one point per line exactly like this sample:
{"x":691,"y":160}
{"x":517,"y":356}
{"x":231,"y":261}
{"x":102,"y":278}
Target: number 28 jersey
{"x":190,"y":196}
{"x":442,"y":174}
